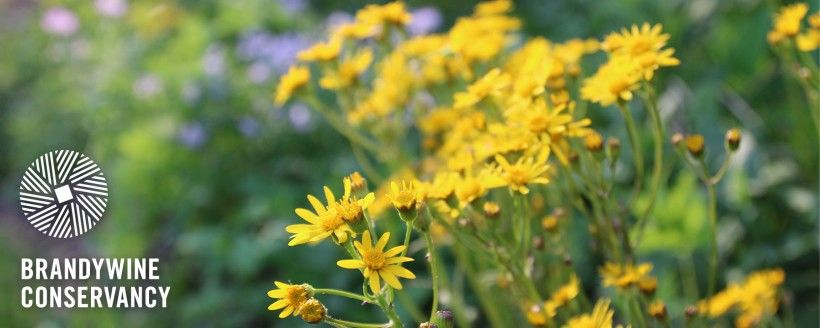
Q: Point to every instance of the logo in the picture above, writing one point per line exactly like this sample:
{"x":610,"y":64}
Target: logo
{"x":63,"y":194}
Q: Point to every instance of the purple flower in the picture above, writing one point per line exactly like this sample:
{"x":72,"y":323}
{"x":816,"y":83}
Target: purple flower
{"x":147,"y":86}
{"x":336,"y":19}
{"x":111,"y":8}
{"x":248,"y":126}
{"x":60,"y":21}
{"x":293,"y":6}
{"x":259,"y":72}
{"x":213,"y":63}
{"x":277,"y":51}
{"x":299,"y":116}
{"x":192,"y":135}
{"x":425,"y":20}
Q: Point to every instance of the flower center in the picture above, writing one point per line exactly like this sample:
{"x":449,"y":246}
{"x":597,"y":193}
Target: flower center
{"x":374,"y":259}
{"x":349,"y":210}
{"x":296,"y":295}
{"x":517,"y":175}
{"x":332,"y":222}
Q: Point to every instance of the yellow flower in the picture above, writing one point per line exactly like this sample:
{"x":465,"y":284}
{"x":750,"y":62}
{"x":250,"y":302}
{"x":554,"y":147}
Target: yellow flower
{"x":377,"y":264}
{"x":754,"y":298}
{"x":645,"y":45}
{"x":490,"y":8}
{"x":322,"y":222}
{"x":808,"y":41}
{"x":355,"y":30}
{"x":624,"y":276}
{"x":526,"y":170}
{"x":313,"y":311}
{"x":290,"y":298}
{"x":392,"y":13}
{"x":563,"y":295}
{"x":357,"y":182}
{"x":349,"y":207}
{"x":695,"y":144}
{"x":537,"y":316}
{"x":296,"y":77}
{"x":600,"y":317}
{"x":470,"y":187}
{"x":657,"y":310}
{"x":490,"y":84}
{"x":407,"y":196}
{"x":442,"y":186}
{"x":613,"y":82}
{"x":321,"y":51}
{"x":787,"y":21}
{"x":348,"y":72}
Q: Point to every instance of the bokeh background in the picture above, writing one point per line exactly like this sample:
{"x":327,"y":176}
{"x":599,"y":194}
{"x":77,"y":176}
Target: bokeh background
{"x":172,"y":99}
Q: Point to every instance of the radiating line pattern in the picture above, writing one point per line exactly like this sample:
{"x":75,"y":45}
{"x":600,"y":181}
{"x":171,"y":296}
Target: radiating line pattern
{"x":63,"y":194}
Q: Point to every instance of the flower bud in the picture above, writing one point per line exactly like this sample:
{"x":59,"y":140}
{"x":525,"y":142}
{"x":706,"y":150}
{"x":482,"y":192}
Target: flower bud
{"x":648,"y":285}
{"x":657,"y":310}
{"x":695,"y":145}
{"x":613,"y":149}
{"x":358,"y":184}
{"x":444,"y":319}
{"x":422,"y":221}
{"x":733,"y":139}
{"x":677,"y":138}
{"x":690,"y":311}
{"x":313,"y":311}
{"x":491,"y":210}
{"x":594,"y":142}
{"x":549,"y":223}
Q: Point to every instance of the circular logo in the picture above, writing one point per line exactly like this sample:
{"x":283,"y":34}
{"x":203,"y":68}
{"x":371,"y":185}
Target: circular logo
{"x":63,"y":194}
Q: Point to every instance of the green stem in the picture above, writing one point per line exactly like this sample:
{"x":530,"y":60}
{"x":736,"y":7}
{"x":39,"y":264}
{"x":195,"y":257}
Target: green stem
{"x":390,"y":312}
{"x":408,"y":231}
{"x":713,"y":254}
{"x":330,"y":291}
{"x":723,"y":168}
{"x":434,"y":272}
{"x":635,"y":142}
{"x":353,"y":324}
{"x":657,"y":165}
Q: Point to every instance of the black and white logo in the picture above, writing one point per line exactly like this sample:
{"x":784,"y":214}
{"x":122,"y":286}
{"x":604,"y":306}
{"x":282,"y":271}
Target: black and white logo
{"x":63,"y":194}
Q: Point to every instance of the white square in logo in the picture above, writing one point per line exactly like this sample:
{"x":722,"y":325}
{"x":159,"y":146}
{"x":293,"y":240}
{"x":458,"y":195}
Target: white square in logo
{"x":63,"y":194}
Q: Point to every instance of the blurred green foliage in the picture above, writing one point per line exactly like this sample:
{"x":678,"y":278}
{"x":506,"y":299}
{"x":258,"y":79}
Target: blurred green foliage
{"x":173,"y":102}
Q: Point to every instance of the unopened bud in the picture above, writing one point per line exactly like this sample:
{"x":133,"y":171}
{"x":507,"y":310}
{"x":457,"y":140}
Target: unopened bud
{"x":657,"y":310}
{"x":491,"y":210}
{"x":594,"y":142}
{"x":733,"y":139}
{"x":695,"y":144}
{"x":613,"y":149}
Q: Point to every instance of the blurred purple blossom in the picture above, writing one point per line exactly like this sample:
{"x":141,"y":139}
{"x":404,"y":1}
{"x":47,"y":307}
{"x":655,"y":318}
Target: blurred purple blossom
{"x":277,"y":51}
{"x":300,"y":117}
{"x":111,"y":8}
{"x":60,"y":21}
{"x":425,"y":20}
{"x":259,"y":72}
{"x":336,"y":19}
{"x":248,"y":126}
{"x":192,"y":135}
{"x":213,"y":62}
{"x":146,"y":86}
{"x":293,"y":6}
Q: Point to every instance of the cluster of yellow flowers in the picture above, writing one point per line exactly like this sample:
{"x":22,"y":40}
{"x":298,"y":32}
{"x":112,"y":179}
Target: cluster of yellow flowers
{"x":503,"y":138}
{"x":754,"y":298}
{"x":788,"y":27}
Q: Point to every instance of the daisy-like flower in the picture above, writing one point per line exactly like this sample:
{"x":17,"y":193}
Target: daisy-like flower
{"x":624,"y":276}
{"x":377,"y":264}
{"x":489,"y":85}
{"x":296,"y":78}
{"x":322,"y":222}
{"x":407,"y":196}
{"x":563,"y":295}
{"x":349,"y":71}
{"x":526,"y":170}
{"x":350,"y":208}
{"x":643,"y":44}
{"x":290,"y":298}
{"x":601,"y":316}
{"x":613,"y":82}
